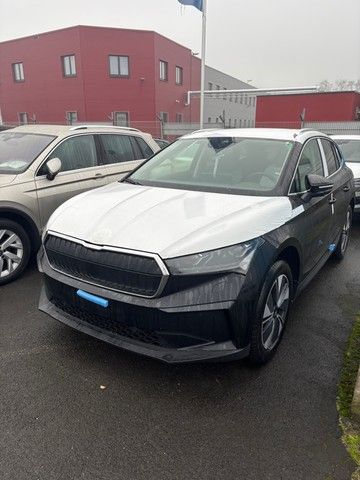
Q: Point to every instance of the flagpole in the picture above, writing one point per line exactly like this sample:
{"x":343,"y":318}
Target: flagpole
{"x":203,"y":52}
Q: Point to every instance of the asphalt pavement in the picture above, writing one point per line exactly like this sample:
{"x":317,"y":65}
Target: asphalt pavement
{"x":72,"y":407}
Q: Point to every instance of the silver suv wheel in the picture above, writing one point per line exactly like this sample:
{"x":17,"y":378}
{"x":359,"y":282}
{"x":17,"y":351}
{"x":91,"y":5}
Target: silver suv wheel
{"x":275,"y":312}
{"x":11,"y":252}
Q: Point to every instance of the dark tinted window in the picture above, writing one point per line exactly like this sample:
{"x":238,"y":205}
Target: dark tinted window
{"x":117,"y":148}
{"x":144,"y":147}
{"x":310,"y":163}
{"x":330,"y":155}
{"x":350,"y":149}
{"x":19,"y":150}
{"x":76,"y":152}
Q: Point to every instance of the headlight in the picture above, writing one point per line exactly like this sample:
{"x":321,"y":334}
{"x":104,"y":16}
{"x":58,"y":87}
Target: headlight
{"x":234,"y":258}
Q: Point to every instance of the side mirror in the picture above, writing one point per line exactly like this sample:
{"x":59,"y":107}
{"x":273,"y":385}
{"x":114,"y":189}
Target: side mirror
{"x":53,"y":167}
{"x":319,"y":186}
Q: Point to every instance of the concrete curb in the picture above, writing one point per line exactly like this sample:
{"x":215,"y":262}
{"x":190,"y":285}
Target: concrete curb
{"x":355,"y":406}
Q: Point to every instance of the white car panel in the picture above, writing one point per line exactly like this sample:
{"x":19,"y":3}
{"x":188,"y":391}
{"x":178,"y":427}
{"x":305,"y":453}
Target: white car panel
{"x":182,"y":222}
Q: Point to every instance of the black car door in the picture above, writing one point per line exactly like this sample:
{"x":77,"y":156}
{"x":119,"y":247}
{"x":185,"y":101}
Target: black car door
{"x":341,"y":194}
{"x":312,"y":223}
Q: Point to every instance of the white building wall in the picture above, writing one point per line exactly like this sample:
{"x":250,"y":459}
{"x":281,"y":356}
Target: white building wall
{"x":239,"y":109}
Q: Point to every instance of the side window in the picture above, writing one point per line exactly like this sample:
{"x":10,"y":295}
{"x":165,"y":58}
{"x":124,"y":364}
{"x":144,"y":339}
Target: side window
{"x":75,"y":153}
{"x":330,"y":155}
{"x":144,"y":147}
{"x":310,"y":162}
{"x":117,"y":148}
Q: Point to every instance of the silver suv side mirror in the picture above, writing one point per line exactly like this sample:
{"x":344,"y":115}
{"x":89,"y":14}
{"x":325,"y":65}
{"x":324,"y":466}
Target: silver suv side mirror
{"x":53,"y":167}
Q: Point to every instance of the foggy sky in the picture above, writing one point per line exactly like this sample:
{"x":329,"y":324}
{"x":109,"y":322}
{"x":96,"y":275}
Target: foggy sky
{"x":270,"y":42}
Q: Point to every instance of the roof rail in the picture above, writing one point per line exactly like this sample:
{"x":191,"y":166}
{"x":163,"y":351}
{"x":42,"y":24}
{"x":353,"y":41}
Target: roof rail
{"x":83,"y":127}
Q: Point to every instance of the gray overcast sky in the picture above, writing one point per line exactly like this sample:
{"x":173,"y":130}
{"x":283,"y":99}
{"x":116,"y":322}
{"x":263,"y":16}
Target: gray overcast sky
{"x":271,"y":42}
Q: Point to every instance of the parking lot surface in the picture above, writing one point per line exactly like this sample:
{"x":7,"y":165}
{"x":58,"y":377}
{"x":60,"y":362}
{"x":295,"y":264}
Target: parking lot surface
{"x":72,"y":407}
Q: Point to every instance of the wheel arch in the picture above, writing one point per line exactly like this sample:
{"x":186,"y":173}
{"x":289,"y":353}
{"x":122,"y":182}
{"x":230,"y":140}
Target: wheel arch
{"x":290,"y":252}
{"x":26,"y":222}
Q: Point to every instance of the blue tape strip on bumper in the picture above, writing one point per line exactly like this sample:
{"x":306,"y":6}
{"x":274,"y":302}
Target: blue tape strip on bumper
{"x":93,"y":298}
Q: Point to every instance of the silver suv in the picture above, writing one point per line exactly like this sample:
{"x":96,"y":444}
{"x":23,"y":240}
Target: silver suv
{"x":41,"y":166}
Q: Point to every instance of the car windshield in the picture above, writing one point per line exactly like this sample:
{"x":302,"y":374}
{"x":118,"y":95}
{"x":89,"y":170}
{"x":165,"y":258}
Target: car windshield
{"x":350,"y":149}
{"x":19,"y":150}
{"x":220,"y":164}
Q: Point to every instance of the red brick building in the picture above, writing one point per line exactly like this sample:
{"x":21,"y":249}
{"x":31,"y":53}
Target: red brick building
{"x":285,"y":110}
{"x":95,"y":74}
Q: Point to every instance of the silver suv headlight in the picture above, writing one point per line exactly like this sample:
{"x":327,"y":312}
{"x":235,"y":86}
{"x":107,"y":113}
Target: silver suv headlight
{"x":235,"y":258}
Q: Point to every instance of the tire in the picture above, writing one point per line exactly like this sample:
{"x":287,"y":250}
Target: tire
{"x":14,"y":245}
{"x":267,"y":329}
{"x":343,"y":242}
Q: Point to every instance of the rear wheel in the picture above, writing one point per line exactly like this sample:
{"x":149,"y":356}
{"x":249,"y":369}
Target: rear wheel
{"x":271,"y":313}
{"x":343,"y":242}
{"x":14,"y":250}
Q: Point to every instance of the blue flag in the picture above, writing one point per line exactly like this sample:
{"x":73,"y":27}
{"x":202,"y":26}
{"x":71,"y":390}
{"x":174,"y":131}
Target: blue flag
{"x":195,"y":3}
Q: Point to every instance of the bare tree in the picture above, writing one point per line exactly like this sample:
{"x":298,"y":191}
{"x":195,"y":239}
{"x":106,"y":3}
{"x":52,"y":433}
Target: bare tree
{"x":340,"y":85}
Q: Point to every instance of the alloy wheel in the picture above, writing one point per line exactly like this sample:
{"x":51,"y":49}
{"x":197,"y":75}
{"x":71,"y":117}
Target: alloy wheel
{"x":11,"y":252}
{"x":275,"y":312}
{"x":345,"y":232}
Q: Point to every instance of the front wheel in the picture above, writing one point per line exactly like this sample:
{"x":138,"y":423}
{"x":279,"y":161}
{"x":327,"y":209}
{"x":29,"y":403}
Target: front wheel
{"x":343,"y":242}
{"x":15,"y":250}
{"x":271,"y":313}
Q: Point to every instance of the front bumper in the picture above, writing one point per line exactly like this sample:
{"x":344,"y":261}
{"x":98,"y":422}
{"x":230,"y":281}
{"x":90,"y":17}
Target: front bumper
{"x":202,"y":323}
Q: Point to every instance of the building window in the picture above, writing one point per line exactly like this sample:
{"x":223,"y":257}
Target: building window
{"x":210,"y":86}
{"x":236,"y":98}
{"x":69,"y":67}
{"x":217,"y":119}
{"x":71,"y":117}
{"x":23,"y":118}
{"x":163,"y":117}
{"x":217,"y":88}
{"x":229,"y":122}
{"x":209,"y":120}
{"x":119,"y":65}
{"x":240,"y":122}
{"x":224,"y":97}
{"x":235,"y":122}
{"x":178,"y":75}
{"x":178,"y":118}
{"x":164,"y":70}
{"x":18,"y":72}
{"x":231,"y":98}
{"x":121,"y":119}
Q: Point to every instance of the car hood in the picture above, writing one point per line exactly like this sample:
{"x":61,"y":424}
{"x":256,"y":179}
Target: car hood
{"x":355,"y":167}
{"x":169,"y":222}
{"x":6,"y":179}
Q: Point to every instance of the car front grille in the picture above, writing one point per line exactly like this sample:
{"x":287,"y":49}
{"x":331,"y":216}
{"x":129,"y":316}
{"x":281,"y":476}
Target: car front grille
{"x":116,"y":270}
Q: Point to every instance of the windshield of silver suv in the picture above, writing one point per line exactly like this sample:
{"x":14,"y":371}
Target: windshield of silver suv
{"x":217,"y":164}
{"x":350,"y":149}
{"x":19,"y":150}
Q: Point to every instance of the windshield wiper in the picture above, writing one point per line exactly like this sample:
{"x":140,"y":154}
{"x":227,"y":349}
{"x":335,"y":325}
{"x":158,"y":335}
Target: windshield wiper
{"x":133,"y":182}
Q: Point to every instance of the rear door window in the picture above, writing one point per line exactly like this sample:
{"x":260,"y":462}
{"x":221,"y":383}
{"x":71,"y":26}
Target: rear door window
{"x":330,"y":156}
{"x":116,"y":149}
{"x":310,"y":163}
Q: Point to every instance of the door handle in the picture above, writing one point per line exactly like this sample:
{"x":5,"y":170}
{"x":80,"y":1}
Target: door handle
{"x":346,"y":188}
{"x":98,"y":175}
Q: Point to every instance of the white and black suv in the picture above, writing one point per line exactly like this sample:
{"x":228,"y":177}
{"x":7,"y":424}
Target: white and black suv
{"x":199,"y":252}
{"x":41,"y":166}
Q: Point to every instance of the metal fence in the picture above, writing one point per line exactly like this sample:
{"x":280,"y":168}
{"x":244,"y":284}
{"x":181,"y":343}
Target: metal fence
{"x":335,"y":128}
{"x":171,"y":131}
